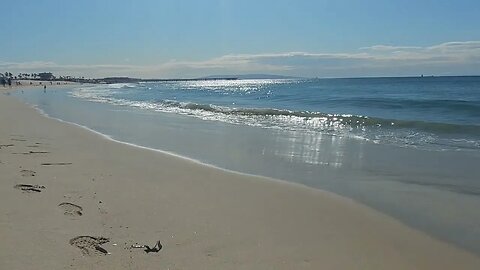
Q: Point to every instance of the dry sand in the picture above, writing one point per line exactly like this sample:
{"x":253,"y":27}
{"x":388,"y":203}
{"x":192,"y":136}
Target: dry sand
{"x":205,"y":218}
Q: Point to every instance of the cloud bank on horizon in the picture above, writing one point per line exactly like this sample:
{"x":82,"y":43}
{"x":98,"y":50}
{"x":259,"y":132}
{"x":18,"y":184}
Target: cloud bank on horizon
{"x":450,"y":58}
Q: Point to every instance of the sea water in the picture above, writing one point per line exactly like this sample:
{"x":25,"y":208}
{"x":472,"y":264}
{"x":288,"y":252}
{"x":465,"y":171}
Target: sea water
{"x":434,"y":112}
{"x":409,"y":147}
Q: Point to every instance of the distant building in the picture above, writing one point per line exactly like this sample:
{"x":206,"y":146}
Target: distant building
{"x":46,"y":76}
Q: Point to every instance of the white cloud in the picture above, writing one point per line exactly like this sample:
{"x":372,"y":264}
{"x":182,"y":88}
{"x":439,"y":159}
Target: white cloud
{"x":463,"y":46}
{"x":389,"y":48}
{"x":451,"y":58}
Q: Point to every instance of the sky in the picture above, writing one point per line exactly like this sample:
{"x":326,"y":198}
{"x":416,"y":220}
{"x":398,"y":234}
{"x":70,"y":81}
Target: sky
{"x":193,"y":38}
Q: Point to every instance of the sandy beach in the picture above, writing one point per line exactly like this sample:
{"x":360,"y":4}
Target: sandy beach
{"x":31,"y":84}
{"x":91,"y":203}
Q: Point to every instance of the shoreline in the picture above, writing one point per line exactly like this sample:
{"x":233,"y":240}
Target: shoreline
{"x":253,"y":229}
{"x":182,"y":158}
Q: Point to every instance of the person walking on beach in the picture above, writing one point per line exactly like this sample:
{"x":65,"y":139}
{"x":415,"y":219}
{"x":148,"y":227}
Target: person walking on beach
{"x":44,"y":89}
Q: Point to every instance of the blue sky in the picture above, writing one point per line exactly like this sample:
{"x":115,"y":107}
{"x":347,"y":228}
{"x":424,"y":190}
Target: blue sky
{"x":323,"y":38}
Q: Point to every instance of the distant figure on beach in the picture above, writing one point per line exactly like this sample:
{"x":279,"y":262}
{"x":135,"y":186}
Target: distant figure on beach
{"x":44,"y":89}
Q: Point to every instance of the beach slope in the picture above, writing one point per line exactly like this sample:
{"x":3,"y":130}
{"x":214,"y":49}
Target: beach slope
{"x":72,"y":199}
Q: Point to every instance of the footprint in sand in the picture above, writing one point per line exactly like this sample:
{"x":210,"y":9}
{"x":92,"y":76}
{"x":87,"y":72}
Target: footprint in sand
{"x":27,"y":173}
{"x":5,"y":145}
{"x":55,"y":163}
{"x":71,"y":209}
{"x":90,"y":245}
{"x":29,"y":188}
{"x":31,"y":152}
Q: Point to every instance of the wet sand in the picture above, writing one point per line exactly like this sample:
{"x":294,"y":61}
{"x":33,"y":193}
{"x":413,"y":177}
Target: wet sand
{"x":72,"y":199}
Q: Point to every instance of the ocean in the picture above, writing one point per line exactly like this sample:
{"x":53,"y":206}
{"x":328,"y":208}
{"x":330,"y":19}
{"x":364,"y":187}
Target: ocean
{"x":408,"y":147}
{"x":431,"y":112}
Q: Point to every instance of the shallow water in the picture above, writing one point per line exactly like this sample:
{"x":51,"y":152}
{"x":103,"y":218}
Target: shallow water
{"x":434,"y":190}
